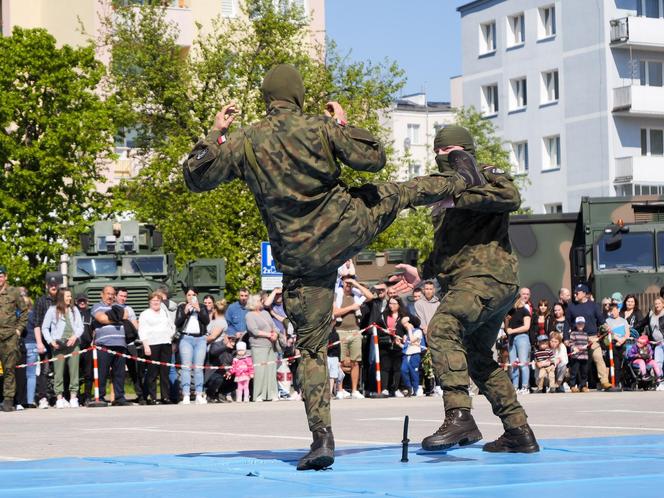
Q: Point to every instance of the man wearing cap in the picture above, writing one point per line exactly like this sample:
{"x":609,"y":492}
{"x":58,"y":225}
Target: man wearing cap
{"x":13,"y":319}
{"x":315,"y":223}
{"x":595,"y":321}
{"x":474,"y":264}
{"x":44,"y":349}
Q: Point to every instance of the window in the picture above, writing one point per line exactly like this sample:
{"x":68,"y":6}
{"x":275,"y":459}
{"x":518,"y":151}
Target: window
{"x":516,"y":30}
{"x":490,"y":100}
{"x":553,"y":208}
{"x":518,"y":94}
{"x":632,"y":250}
{"x":547,"y":22}
{"x":488,"y":38}
{"x":520,"y":157}
{"x":414,"y":170}
{"x":648,"y":189}
{"x":413,"y":133}
{"x":551,"y":153}
{"x":650,"y":73}
{"x":649,"y":8}
{"x":126,"y":138}
{"x":652,"y":142}
{"x":550,"y":87}
{"x":227,"y":8}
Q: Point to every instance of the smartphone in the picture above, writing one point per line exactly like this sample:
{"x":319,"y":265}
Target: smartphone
{"x":194,"y":299}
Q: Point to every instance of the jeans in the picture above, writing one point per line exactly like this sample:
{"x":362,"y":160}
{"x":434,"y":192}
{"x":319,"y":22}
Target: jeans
{"x":192,"y":351}
{"x":410,"y":371}
{"x":659,"y":355}
{"x":31,"y":357}
{"x":520,"y":350}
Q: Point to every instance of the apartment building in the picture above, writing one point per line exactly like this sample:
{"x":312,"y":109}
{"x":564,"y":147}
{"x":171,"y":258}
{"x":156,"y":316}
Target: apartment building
{"x":574,"y":88}
{"x":412,"y":123}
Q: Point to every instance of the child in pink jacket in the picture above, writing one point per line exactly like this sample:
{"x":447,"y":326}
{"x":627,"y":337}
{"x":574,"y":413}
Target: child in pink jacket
{"x":243,"y":369}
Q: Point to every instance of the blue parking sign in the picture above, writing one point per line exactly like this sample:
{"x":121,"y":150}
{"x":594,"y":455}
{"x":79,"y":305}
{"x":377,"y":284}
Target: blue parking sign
{"x":268,"y":265}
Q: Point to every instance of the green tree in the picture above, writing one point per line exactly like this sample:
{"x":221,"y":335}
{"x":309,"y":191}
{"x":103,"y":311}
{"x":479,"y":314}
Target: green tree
{"x":56,"y":134}
{"x":170,"y":96}
{"x":413,"y":228}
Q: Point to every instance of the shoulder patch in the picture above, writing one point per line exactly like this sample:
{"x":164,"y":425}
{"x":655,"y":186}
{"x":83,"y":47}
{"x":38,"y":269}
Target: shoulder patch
{"x":201,"y":154}
{"x":494,"y":171}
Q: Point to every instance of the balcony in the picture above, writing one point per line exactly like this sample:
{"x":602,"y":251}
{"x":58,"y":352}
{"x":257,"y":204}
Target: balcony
{"x":639,"y":101}
{"x":644,"y":33}
{"x":639,"y":169}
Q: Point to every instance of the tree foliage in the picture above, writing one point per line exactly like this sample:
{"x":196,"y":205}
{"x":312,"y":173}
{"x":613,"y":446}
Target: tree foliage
{"x":56,"y":133}
{"x":170,"y":96}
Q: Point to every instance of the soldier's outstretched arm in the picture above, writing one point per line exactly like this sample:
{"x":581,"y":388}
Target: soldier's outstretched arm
{"x":355,"y":147}
{"x":218,"y":158}
{"x":500,"y":195}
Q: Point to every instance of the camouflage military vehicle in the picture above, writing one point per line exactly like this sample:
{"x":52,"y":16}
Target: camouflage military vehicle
{"x":612,"y":243}
{"x":129,"y":254}
{"x":373,"y":267}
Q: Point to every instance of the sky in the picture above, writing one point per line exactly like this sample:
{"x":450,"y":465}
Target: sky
{"x":422,"y":36}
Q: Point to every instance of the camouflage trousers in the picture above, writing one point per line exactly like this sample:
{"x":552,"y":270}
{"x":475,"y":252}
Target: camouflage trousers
{"x":461,"y":336}
{"x":308,"y":300}
{"x":9,"y":355}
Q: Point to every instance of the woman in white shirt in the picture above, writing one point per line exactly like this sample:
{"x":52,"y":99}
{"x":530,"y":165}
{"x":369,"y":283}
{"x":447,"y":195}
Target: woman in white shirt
{"x":155,"y":329}
{"x":61,"y":328}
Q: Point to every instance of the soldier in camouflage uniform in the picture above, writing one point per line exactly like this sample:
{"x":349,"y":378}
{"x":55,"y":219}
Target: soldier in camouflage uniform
{"x":13,"y":319}
{"x":314,"y":222}
{"x":477,"y":271}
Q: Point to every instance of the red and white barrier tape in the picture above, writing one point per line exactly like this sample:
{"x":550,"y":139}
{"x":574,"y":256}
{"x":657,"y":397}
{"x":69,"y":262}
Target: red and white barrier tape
{"x":55,"y":358}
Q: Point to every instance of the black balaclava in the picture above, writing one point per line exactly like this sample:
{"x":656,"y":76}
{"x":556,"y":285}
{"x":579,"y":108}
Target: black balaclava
{"x":452,"y":135}
{"x":283,"y":82}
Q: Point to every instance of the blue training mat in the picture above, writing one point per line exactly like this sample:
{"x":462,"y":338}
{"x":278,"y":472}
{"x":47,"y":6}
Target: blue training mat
{"x":609,"y":466}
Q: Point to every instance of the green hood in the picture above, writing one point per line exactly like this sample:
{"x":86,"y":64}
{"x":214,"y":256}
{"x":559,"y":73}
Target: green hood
{"x":452,"y":135}
{"x":283,"y":82}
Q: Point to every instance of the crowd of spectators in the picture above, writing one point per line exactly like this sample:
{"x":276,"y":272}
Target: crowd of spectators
{"x":248,"y":347}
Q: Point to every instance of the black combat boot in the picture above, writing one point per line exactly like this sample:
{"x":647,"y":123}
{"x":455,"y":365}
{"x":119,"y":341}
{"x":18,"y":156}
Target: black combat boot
{"x":465,"y":165}
{"x":7,"y":405}
{"x":458,"y":428}
{"x":518,"y":440}
{"x":321,"y":454}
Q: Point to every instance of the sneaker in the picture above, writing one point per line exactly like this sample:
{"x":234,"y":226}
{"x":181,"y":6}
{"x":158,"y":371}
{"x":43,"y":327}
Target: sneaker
{"x":660,"y":386}
{"x":357,"y":395}
{"x":344,"y":394}
{"x":19,"y":408}
{"x":73,"y":402}
{"x":574,"y":389}
{"x":438,"y":392}
{"x":585,"y":389}
{"x":296,"y":396}
{"x":186,"y":400}
{"x":398,"y":394}
{"x":517,"y":440}
{"x":566,"y":387}
{"x":60,"y":403}
{"x":384,"y":392}
{"x":458,"y":428}
{"x":340,"y":395}
{"x":420,"y":392}
{"x":43,"y":403}
{"x":200,"y":399}
{"x":229,"y":398}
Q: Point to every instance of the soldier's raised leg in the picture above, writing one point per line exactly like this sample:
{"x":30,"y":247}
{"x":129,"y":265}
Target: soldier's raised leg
{"x":308,"y":305}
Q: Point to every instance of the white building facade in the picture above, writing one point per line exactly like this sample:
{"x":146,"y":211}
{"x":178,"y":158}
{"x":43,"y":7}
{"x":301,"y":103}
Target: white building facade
{"x":574,"y":88}
{"x":412,"y":123}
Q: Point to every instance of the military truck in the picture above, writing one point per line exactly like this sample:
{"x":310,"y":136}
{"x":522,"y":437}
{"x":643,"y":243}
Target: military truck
{"x":130,"y":254}
{"x":612,"y":243}
{"x":373,"y":267}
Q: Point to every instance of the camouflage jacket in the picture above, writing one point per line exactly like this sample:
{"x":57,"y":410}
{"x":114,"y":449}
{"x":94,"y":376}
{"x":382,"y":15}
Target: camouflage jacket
{"x":472,"y":238}
{"x":11,"y":302}
{"x":289,"y":161}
